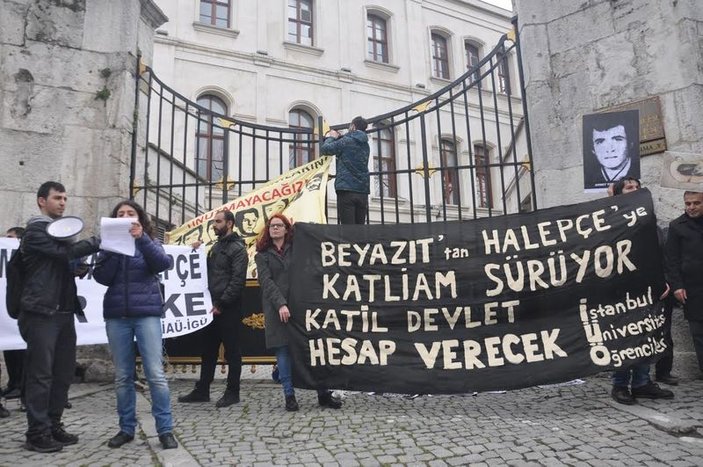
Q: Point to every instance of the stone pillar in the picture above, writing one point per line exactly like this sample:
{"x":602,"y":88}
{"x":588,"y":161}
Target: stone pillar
{"x":68,"y":77}
{"x":583,"y":56}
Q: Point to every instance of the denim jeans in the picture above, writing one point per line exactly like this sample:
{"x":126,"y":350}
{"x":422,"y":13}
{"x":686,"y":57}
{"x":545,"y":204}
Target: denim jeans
{"x":120,"y":335}
{"x":640,"y":376}
{"x":284,"y":363}
{"x":50,"y":362}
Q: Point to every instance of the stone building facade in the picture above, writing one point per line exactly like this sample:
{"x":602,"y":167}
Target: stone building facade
{"x":282,"y":63}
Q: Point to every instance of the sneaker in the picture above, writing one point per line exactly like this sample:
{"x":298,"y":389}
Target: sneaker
{"x":652,"y":391}
{"x":622,"y":395}
{"x":4,"y":413}
{"x":227,"y":399}
{"x":668,"y":379}
{"x":196,"y":395}
{"x":168,"y":441}
{"x":119,"y":439}
{"x":43,"y":443}
{"x":291,"y":404}
{"x":326,"y":400}
{"x":62,"y":436}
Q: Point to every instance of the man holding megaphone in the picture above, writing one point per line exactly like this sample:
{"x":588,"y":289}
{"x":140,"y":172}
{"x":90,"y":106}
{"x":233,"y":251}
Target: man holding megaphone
{"x":48,"y":303}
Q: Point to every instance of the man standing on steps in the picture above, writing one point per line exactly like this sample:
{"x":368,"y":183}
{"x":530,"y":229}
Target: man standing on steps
{"x":48,"y":304}
{"x":352,"y":181}
{"x":227,"y":270}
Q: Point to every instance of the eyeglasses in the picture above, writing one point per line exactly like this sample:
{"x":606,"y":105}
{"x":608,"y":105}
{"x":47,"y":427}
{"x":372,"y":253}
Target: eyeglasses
{"x":277,"y":226}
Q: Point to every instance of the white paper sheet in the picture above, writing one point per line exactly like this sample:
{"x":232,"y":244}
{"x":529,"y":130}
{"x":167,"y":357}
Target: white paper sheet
{"x":115,"y":236}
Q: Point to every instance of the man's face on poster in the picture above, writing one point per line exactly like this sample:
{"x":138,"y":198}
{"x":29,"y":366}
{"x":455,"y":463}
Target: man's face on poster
{"x":249,"y":222}
{"x":610,"y":147}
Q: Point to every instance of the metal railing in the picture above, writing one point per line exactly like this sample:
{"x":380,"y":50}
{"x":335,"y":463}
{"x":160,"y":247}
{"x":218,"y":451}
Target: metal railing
{"x":460,"y":153}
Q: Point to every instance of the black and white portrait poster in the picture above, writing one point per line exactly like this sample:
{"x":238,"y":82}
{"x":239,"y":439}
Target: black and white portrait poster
{"x":610,"y":148}
{"x":493,"y":303}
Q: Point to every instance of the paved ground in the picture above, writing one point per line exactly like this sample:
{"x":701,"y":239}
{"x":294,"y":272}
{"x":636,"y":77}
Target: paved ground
{"x":566,"y":425}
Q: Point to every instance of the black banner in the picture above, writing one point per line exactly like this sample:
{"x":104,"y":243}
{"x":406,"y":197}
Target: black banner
{"x":496,"y":303}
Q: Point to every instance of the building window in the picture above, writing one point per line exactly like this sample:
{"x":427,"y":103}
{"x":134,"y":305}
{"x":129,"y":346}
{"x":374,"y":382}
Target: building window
{"x":483,"y":176}
{"x":450,"y":173}
{"x":383,"y":154}
{"x":300,"y":21}
{"x":215,"y":12}
{"x":302,"y":150}
{"x":472,"y":59}
{"x":503,"y":73}
{"x":377,"y":38}
{"x":210,"y":140}
{"x":440,"y":57}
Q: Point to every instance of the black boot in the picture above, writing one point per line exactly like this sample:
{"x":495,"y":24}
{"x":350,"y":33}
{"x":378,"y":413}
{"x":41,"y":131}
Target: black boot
{"x":291,"y":403}
{"x":228,"y":398}
{"x":325,"y":399}
{"x":196,"y":395}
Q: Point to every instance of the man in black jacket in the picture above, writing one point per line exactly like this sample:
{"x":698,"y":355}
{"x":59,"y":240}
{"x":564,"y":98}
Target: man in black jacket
{"x":46,"y":322}
{"x":227,"y":271}
{"x":684,"y":261}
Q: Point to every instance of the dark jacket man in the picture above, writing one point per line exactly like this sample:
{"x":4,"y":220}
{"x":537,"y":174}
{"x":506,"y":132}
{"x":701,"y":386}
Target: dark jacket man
{"x":227,"y":270}
{"x":46,"y":322}
{"x":684,"y":260}
{"x":352,"y":179}
{"x":684,"y":265}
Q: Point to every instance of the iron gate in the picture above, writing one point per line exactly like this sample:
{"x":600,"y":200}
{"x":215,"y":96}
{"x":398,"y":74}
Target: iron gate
{"x":460,"y":153}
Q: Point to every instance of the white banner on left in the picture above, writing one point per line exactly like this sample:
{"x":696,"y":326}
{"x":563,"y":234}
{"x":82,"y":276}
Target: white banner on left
{"x":186,"y":295}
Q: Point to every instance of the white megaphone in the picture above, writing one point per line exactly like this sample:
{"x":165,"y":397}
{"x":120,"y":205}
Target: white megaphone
{"x":65,"y":229}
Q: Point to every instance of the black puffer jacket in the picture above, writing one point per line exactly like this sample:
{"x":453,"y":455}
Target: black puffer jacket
{"x":50,"y":285}
{"x":227,"y":272}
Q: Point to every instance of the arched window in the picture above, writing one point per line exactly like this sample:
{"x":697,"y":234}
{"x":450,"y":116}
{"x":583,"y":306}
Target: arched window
{"x":215,"y":12}
{"x":450,"y":174}
{"x":302,"y":150}
{"x":211,"y":142}
{"x":483,"y":176}
{"x":377,"y":38}
{"x":440,"y":56}
{"x":503,"y":73}
{"x":472,"y":58}
{"x":300,"y":22}
{"x":383,"y":155}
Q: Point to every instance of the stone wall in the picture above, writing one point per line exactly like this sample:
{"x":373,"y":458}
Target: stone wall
{"x":67,"y":93}
{"x":587,"y":55}
{"x":580,"y":56}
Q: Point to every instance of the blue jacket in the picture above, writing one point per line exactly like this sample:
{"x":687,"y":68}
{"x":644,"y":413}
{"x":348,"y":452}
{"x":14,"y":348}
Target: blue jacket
{"x":352,"y":151}
{"x":133,"y":289}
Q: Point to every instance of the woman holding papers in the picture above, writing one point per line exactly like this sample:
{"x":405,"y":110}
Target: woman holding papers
{"x":132,"y":309}
{"x":274,"y":248}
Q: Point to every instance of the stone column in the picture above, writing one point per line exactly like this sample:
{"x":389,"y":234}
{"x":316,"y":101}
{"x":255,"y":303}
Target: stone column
{"x":68,"y":77}
{"x":583,"y":56}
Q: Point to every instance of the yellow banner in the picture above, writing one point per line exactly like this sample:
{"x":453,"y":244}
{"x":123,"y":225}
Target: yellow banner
{"x":298,"y":193}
